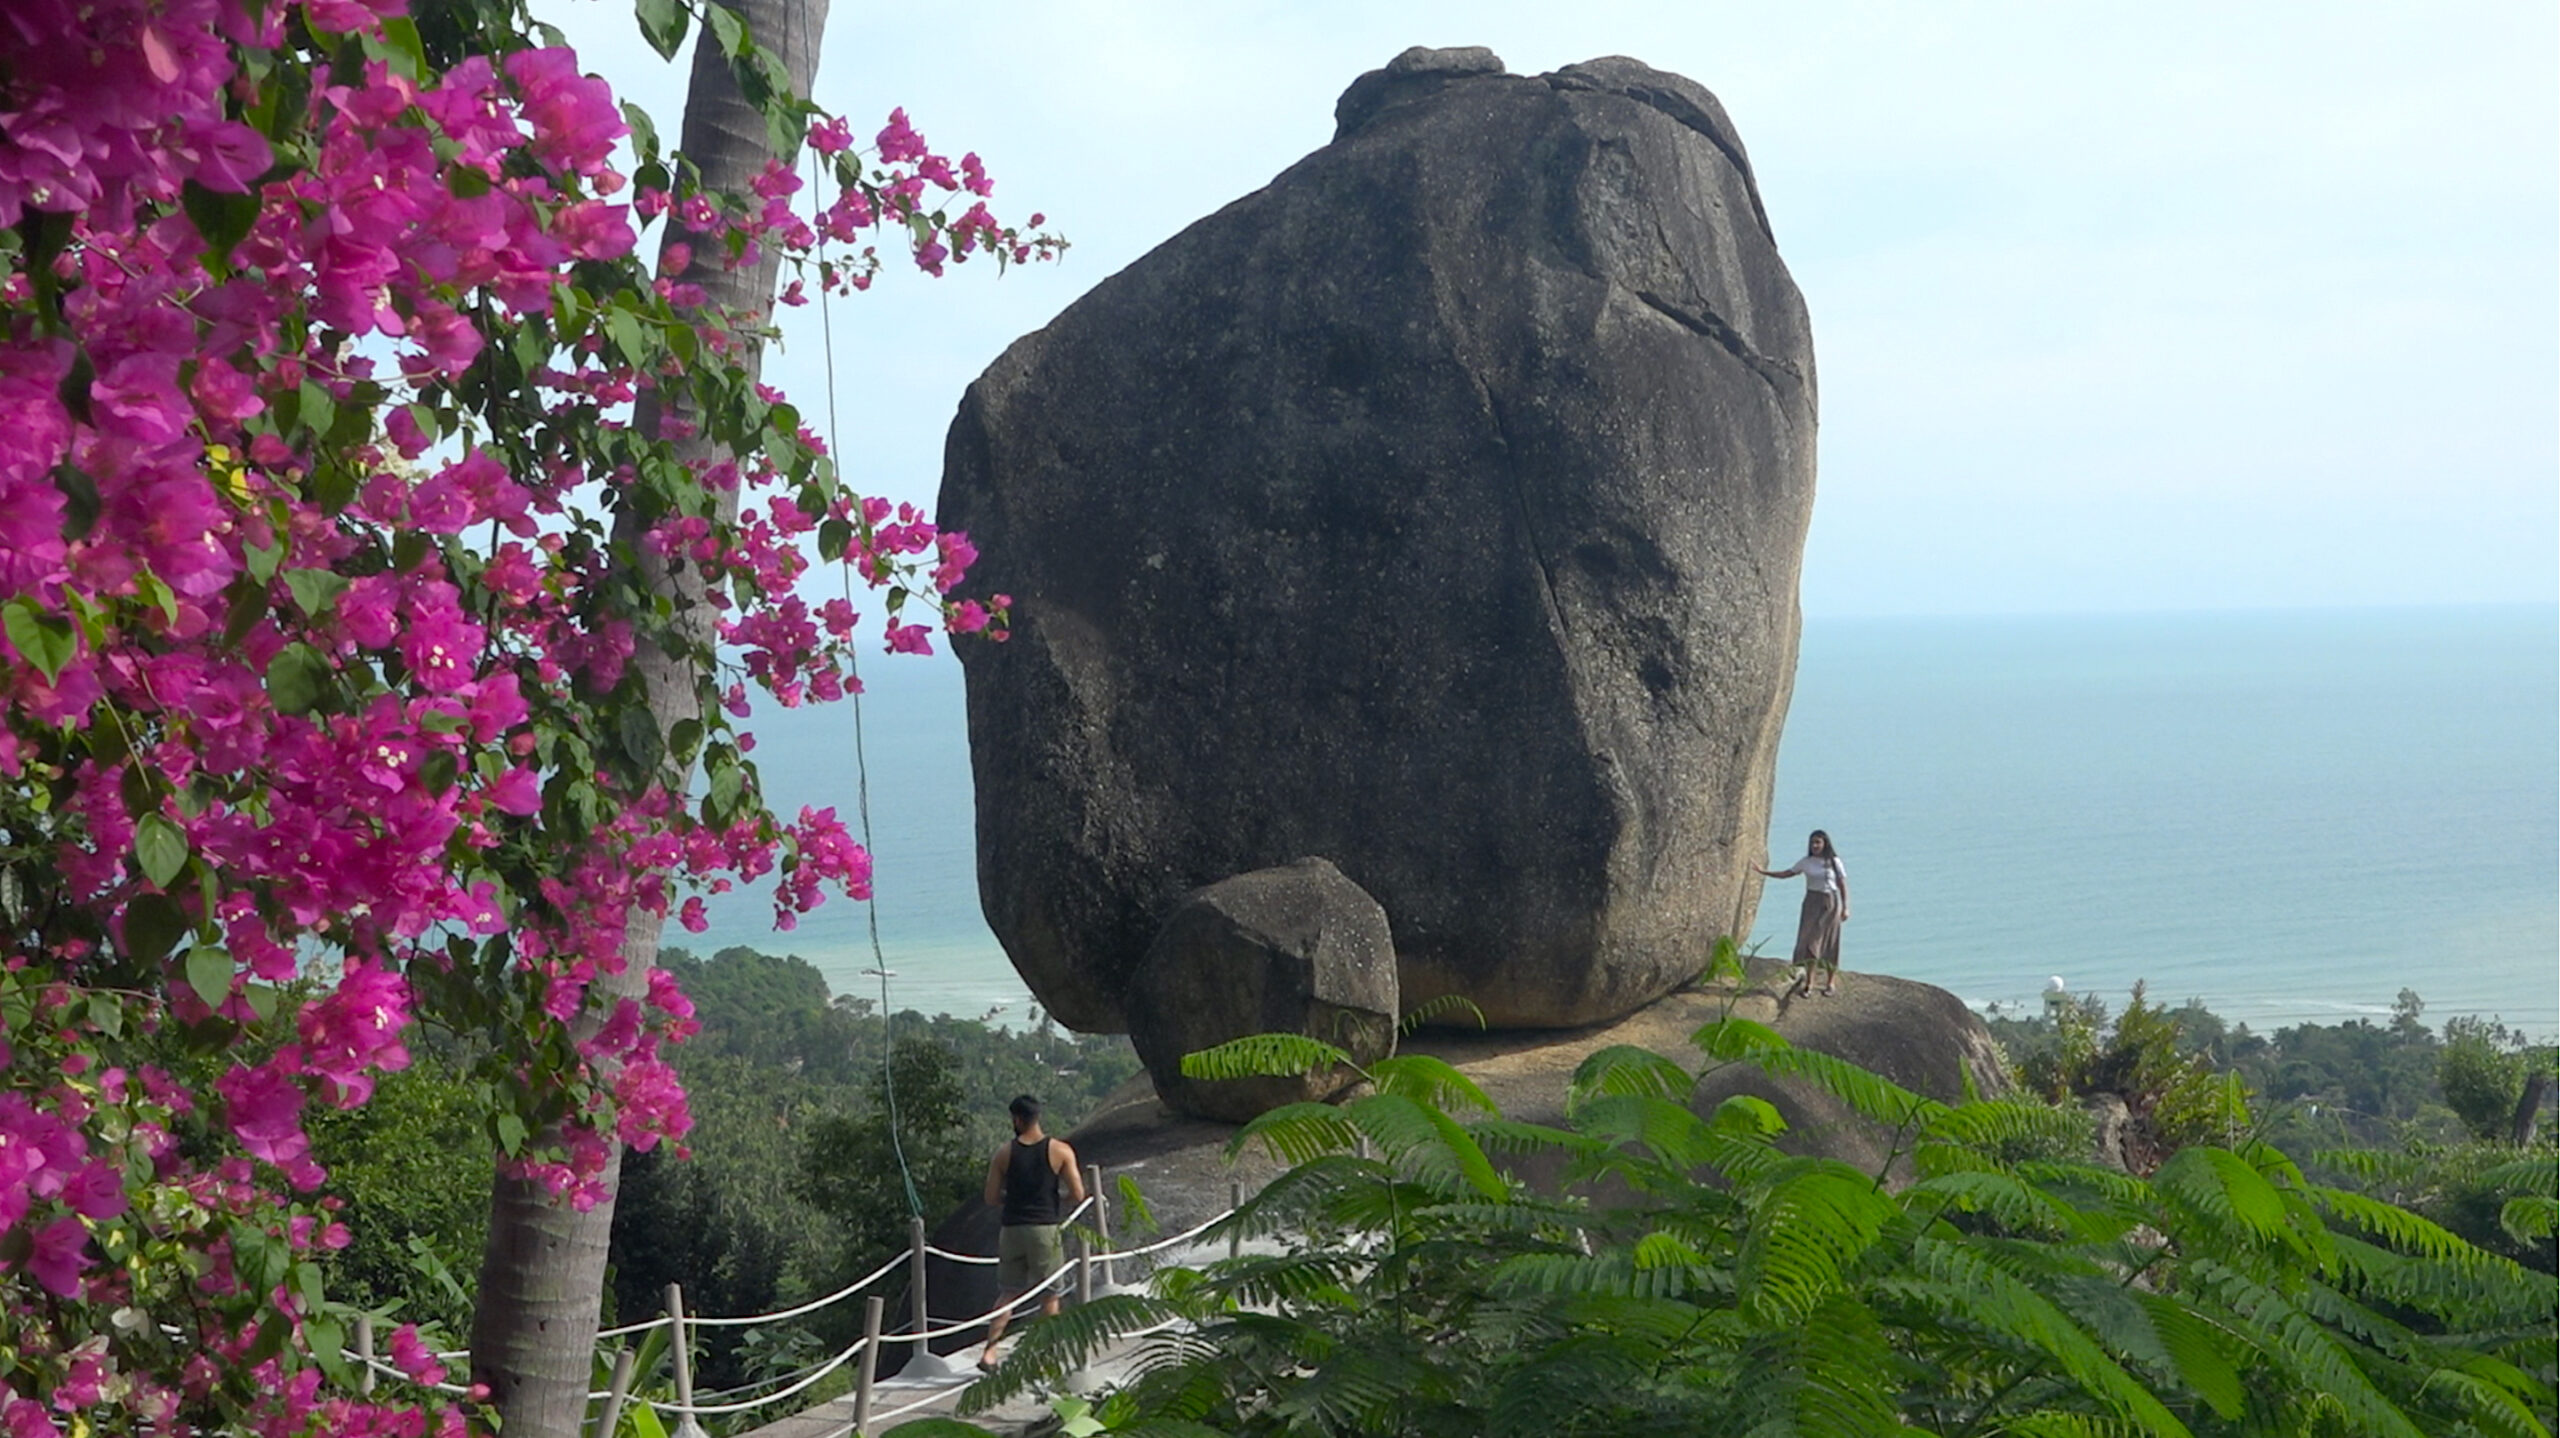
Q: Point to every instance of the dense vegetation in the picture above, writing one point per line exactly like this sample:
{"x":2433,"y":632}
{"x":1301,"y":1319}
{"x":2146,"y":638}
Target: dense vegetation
{"x":792,"y":1185}
{"x":1418,"y":1286}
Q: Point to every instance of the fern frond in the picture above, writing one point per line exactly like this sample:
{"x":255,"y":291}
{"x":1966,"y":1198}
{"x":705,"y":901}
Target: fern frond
{"x":1749,"y":1115}
{"x":2478,"y":1290}
{"x":2318,"y":1364}
{"x":2204,"y":1357}
{"x":1424,"y":1012}
{"x":1511,"y":1136}
{"x":1166,"y":1428}
{"x":1470,"y":1159}
{"x":1628,"y":1069}
{"x":2066,"y":1425}
{"x":1263,"y":1056}
{"x":2004,"y":1305}
{"x":1984,"y":1125}
{"x":1731,"y":1040}
{"x":2218,"y":1186}
{"x":2491,"y":1407}
{"x":1610,"y":1273}
{"x":1668,"y":1131}
{"x":1288,"y":1202}
{"x":1804,"y":1234}
{"x":2016,"y":1204}
{"x":1871,"y":1094}
{"x":1054,"y":1347}
{"x":1318,"y":1276}
{"x":1297,"y":1132}
{"x":2534,"y":1173}
{"x":1430,"y":1081}
{"x":2530,"y":1216}
{"x":2396,"y":1226}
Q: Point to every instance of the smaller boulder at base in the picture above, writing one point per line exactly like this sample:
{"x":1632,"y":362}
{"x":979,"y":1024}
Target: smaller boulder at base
{"x":1296,"y":948}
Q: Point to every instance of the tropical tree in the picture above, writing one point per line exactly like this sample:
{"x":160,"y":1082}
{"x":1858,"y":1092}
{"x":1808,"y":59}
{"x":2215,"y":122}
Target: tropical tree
{"x":1647,"y":1268}
{"x":355,"y":535}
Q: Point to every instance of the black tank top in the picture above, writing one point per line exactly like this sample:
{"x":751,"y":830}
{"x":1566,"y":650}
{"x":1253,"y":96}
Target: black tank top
{"x":1030,"y":1185}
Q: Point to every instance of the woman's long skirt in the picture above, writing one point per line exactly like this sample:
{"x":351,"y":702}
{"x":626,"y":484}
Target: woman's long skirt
{"x":1818,"y":931}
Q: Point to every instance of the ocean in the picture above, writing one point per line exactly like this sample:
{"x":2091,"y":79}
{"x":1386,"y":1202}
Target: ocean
{"x":2288,"y":815}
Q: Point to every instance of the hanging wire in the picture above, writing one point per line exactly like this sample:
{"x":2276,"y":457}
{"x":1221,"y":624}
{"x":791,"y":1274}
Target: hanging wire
{"x":861,"y":767}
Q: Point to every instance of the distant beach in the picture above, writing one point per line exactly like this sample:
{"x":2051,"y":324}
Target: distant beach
{"x":2289,"y":815}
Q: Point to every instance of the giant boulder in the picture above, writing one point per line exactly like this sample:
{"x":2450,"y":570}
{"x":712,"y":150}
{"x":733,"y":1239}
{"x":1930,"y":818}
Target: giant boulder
{"x":1437,"y":508}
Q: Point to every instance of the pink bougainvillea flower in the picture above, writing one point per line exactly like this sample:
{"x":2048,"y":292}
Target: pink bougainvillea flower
{"x":60,"y":1255}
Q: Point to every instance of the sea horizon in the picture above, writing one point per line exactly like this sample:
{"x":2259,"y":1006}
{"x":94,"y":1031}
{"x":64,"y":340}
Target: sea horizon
{"x":2287,"y":813}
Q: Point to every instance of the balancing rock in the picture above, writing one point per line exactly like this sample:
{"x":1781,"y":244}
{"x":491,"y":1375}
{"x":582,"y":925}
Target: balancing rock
{"x":1437,"y":508}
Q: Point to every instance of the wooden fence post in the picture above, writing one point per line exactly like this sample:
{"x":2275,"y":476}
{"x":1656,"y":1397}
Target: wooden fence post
{"x":614,"y":1394}
{"x":680,"y":1348}
{"x":923,"y":1363}
{"x":870,"y":1369}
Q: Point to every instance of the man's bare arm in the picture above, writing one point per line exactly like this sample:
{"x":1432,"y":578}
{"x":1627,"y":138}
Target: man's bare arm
{"x":1060,"y":1154}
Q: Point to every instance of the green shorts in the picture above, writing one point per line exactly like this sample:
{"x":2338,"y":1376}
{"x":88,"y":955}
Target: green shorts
{"x":1026,"y":1254}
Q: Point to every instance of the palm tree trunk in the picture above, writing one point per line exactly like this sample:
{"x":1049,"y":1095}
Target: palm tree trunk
{"x":542,"y":1274}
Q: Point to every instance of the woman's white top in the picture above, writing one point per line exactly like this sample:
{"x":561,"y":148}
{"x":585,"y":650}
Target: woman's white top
{"x":1817,"y":872}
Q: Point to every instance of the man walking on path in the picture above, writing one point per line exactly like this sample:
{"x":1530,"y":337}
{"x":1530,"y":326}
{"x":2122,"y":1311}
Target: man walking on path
{"x":1034,"y":1182}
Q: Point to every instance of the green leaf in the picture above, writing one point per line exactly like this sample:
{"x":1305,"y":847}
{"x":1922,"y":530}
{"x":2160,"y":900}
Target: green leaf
{"x":319,"y":409}
{"x":79,"y":498}
{"x":106,"y":1015}
{"x":511,"y":1133}
{"x":327,"y":1339}
{"x":153,"y":924}
{"x":209,"y":974}
{"x":728,"y":784}
{"x":835,"y":536}
{"x":297,"y":679}
{"x":663,"y":23}
{"x":42,"y":640}
{"x":314,"y":590}
{"x":157,"y":592}
{"x":728,"y":26}
{"x":1263,"y":1056}
{"x":439,"y":770}
{"x":263,"y":560}
{"x":223,"y":220}
{"x":400,"y":36}
{"x":623,"y":328}
{"x":162,"y":848}
{"x":639,"y":734}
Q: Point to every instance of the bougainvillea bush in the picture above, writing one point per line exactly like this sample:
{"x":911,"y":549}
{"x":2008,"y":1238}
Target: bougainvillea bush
{"x":336,"y":405}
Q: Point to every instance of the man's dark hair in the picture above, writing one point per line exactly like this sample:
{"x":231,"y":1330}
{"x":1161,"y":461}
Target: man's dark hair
{"x":1025,"y":1110}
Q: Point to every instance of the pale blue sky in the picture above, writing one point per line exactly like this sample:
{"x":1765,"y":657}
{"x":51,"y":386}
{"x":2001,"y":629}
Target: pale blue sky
{"x":2139,"y":307}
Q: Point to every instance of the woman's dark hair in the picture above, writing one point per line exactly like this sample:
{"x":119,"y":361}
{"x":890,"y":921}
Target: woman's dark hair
{"x":1829,"y":849}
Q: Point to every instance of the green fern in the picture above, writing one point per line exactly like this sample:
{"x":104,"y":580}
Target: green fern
{"x":1430,"y":1009}
{"x":1805,"y":1233}
{"x":1628,"y":1069}
{"x":1297,"y":1132}
{"x":1264,"y":1056}
{"x":1431,"y":1081}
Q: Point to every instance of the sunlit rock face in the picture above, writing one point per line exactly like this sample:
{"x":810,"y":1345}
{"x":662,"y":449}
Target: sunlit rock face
{"x":1437,"y":508}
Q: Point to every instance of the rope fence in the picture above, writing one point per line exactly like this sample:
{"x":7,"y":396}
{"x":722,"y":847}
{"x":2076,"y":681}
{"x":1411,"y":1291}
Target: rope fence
{"x":1095,"y":1251}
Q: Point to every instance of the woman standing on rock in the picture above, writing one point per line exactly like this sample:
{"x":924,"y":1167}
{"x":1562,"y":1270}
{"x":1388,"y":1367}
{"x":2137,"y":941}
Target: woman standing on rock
{"x":1826,"y":908}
